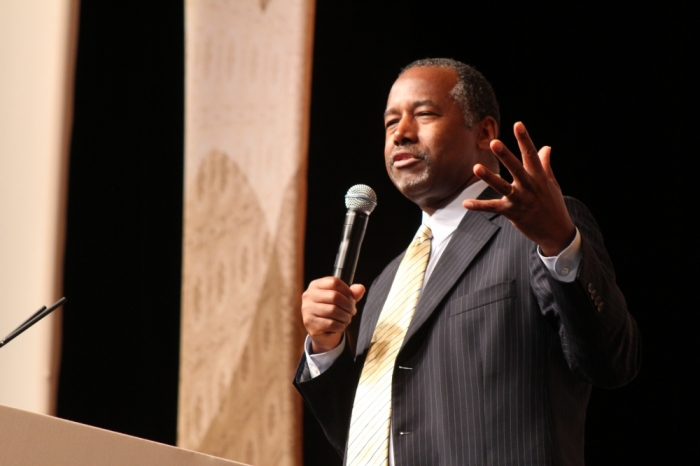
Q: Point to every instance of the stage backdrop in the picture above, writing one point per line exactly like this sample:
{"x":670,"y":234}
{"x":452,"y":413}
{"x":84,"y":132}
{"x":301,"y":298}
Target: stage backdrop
{"x":248,"y":69}
{"x":37,"y":55}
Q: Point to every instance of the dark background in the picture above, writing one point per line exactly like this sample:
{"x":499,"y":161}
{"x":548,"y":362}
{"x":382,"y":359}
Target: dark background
{"x":611,"y":90}
{"x":121,"y":324}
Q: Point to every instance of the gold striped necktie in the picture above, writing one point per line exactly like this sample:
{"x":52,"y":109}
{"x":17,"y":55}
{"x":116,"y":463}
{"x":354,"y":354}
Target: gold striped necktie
{"x":368,"y":442}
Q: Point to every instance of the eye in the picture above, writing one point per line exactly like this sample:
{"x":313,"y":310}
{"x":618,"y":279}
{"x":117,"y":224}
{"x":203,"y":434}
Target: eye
{"x":391,"y":122}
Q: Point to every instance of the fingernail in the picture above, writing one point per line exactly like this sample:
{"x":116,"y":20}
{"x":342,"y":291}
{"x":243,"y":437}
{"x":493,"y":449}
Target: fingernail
{"x":520,"y":127}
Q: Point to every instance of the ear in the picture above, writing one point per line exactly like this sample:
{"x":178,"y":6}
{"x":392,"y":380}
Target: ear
{"x":488,"y":130}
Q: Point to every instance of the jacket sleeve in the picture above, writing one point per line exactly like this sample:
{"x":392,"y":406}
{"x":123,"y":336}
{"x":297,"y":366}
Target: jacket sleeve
{"x":330,"y":396}
{"x":599,"y":338}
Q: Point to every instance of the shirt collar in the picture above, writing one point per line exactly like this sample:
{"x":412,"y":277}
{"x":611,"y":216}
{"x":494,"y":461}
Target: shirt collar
{"x":445,"y":221}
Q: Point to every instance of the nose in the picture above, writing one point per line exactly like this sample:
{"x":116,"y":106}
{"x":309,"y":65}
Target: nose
{"x":405,"y":132}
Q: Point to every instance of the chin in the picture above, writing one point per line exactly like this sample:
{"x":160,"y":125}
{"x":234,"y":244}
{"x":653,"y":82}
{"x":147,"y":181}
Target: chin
{"x":411,"y":185}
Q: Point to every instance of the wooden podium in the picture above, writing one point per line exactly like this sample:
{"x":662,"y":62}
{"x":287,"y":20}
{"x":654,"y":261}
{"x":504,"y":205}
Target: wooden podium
{"x":29,"y":439}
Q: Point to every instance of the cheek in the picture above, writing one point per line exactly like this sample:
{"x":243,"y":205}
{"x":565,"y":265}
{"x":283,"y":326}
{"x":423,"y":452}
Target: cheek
{"x":387,"y":165}
{"x":388,"y":144}
{"x":387,"y":153}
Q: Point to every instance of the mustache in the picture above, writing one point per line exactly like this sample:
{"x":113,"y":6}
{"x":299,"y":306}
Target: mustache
{"x":409,"y":149}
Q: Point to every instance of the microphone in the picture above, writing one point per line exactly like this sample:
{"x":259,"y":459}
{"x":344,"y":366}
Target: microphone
{"x":360,"y":201}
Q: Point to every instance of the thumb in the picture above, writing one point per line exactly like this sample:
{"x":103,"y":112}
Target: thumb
{"x":358,"y":291}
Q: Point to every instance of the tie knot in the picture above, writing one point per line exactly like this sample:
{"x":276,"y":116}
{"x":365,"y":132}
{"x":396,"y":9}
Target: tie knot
{"x":424,"y":233}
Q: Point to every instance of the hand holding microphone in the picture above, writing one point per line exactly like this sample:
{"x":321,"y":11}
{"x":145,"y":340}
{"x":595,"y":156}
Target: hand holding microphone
{"x":328,"y":304}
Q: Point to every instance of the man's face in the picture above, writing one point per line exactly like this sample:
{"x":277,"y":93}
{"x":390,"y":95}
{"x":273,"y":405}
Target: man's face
{"x":429,"y":152}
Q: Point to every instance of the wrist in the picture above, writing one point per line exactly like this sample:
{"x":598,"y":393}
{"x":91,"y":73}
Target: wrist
{"x":554,"y":248}
{"x":325,"y":344}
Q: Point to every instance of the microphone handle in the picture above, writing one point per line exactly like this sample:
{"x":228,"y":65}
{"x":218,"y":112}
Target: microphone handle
{"x":349,"y":250}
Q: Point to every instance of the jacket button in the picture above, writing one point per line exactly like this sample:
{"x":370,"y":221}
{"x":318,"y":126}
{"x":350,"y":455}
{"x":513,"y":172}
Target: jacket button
{"x":598,"y":301}
{"x":590,"y":288}
{"x":600,"y":307}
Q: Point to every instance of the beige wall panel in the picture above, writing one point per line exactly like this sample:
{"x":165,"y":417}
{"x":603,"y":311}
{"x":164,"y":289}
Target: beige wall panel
{"x":37,"y":54}
{"x":248,"y":69}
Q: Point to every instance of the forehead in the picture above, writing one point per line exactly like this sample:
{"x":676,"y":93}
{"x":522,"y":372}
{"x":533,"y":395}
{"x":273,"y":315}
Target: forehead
{"x":422,"y":84}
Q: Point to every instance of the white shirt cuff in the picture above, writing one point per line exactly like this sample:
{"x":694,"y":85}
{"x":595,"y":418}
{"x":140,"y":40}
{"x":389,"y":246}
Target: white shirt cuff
{"x":319,"y":363}
{"x":564,"y":267}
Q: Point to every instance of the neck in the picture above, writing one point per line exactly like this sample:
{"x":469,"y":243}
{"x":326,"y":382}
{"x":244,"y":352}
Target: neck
{"x":430,"y":207}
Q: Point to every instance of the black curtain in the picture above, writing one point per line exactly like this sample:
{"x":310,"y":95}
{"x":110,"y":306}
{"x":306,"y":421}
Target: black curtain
{"x":120,"y":358}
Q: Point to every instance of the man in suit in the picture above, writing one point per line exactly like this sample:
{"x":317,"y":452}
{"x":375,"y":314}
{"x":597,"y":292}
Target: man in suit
{"x":517,"y":312}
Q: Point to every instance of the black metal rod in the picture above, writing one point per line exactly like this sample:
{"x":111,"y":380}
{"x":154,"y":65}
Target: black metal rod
{"x":36,"y":317}
{"x":32,"y":317}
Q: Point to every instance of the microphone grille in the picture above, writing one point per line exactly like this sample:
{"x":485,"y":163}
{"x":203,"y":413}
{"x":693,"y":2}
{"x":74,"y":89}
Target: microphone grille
{"x":361,"y":197}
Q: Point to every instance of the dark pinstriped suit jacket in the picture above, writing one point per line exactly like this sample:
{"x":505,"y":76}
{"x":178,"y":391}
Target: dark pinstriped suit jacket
{"x":498,"y":362}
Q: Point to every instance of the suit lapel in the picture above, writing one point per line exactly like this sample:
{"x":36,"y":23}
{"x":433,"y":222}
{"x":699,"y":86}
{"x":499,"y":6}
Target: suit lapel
{"x":469,"y":238}
{"x":472,"y":234}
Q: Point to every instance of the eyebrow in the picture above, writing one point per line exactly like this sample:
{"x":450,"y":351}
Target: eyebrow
{"x":414,"y":105}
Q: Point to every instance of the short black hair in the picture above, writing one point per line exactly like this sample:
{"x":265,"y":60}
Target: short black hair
{"x":472,"y":91}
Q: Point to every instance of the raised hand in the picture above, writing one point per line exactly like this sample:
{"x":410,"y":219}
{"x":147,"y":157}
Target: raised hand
{"x":533,"y":202}
{"x":327,"y":308}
